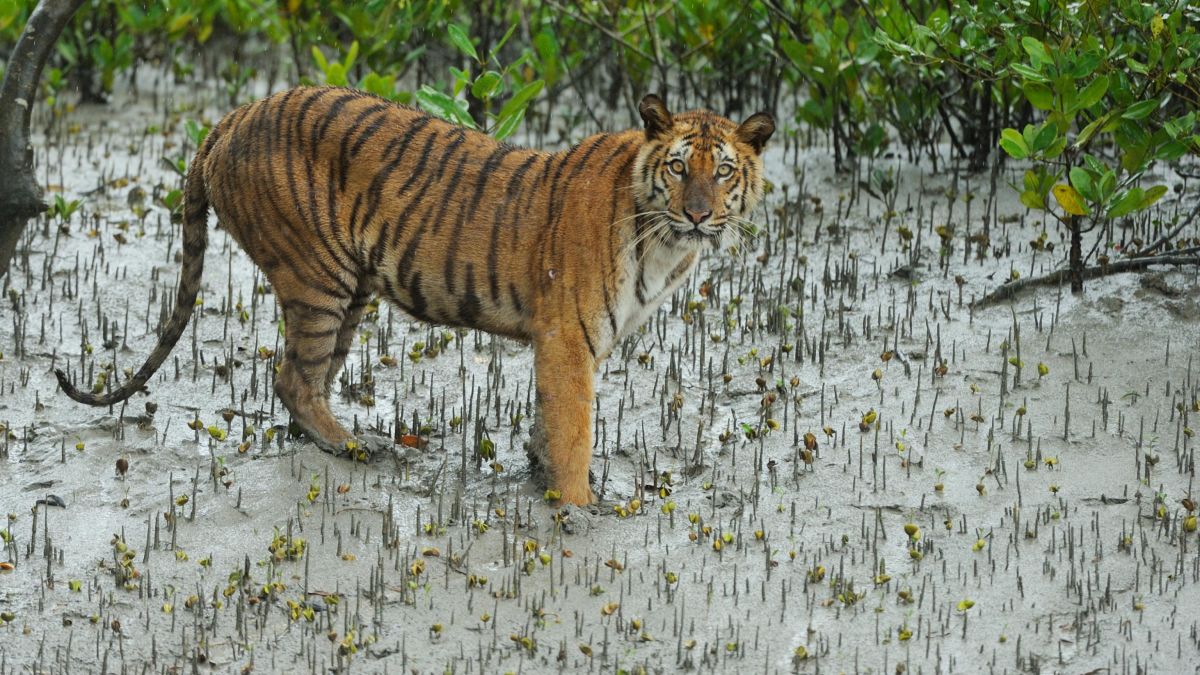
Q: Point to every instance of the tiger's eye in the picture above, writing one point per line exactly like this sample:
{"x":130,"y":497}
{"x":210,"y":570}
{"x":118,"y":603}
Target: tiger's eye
{"x":677,"y":167}
{"x":725,"y":171}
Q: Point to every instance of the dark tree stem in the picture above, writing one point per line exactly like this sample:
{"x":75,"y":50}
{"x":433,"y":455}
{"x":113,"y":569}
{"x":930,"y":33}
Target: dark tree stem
{"x":1076,"y":260}
{"x":21,"y":198}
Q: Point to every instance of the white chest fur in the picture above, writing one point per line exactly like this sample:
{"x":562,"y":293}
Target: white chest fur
{"x":648,"y":285}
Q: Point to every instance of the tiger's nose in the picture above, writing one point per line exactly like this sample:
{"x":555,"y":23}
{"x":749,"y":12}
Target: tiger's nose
{"x":697,"y":216}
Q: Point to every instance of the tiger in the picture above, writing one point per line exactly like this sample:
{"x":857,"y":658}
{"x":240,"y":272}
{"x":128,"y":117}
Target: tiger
{"x":339,"y":196}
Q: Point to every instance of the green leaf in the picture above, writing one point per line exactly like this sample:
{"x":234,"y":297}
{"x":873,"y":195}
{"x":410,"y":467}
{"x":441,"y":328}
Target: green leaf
{"x":1179,"y":126}
{"x":1029,"y":73}
{"x":1014,"y":144}
{"x":496,"y":50}
{"x":1031,"y":181}
{"x":459,"y":38}
{"x":1029,"y":133}
{"x":1171,"y":151}
{"x":1036,"y":50}
{"x":335,"y":74}
{"x":1031,"y":199}
{"x":1039,"y":95}
{"x":486,"y":85}
{"x":1085,"y":64}
{"x":1108,"y":183}
{"x":1127,"y":203}
{"x":1095,"y":165}
{"x":1091,"y":129}
{"x":1152,"y":195}
{"x":506,"y":126}
{"x":520,"y":100}
{"x":461,"y":79}
{"x":548,"y":54}
{"x":348,"y":64}
{"x":180,"y":22}
{"x":196,"y":132}
{"x":1092,"y":93}
{"x":444,"y":106}
{"x":320,"y":59}
{"x":1082,"y":181}
{"x":1140,"y":110}
{"x":1045,"y":137}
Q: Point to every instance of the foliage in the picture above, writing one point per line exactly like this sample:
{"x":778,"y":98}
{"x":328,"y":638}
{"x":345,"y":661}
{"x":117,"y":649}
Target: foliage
{"x":1080,"y":77}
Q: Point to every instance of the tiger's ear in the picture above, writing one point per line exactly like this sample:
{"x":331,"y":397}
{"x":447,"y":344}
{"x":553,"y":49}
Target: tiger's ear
{"x":656,"y":116}
{"x":756,"y":130}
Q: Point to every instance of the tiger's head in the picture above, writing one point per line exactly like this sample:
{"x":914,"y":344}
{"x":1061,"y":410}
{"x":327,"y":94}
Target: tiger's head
{"x":699,"y":174}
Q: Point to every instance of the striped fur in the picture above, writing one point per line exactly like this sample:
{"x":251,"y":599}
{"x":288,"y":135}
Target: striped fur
{"x":338,"y":195}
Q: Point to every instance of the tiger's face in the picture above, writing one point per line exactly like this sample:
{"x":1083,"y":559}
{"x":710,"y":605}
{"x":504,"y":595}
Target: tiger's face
{"x":699,"y":175}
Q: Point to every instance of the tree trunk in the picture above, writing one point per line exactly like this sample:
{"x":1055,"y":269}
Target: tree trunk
{"x":21,"y":198}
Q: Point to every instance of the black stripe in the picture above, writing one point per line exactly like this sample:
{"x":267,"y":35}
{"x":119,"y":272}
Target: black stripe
{"x":518,"y":306}
{"x":679,"y":270}
{"x":344,"y":151}
{"x":640,"y":286}
{"x":586,"y":336}
{"x":469,"y":307}
{"x":419,"y":304}
{"x":526,"y":192}
{"x":309,"y":219}
{"x":621,"y":147}
{"x":494,"y":160}
{"x":431,"y":179}
{"x":311,"y":361}
{"x":316,"y":266}
{"x":350,"y":224}
{"x":375,"y":191}
{"x":311,"y":308}
{"x":326,"y":233}
{"x":337,"y":232}
{"x":550,"y":228}
{"x":331,"y":113}
{"x":557,"y":198}
{"x":370,"y":131}
{"x":388,"y":238}
{"x":277,"y":130}
{"x":619,"y":179}
{"x":316,"y":333}
{"x":498,"y":217}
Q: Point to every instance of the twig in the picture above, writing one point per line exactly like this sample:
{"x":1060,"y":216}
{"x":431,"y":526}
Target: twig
{"x":1130,"y":265}
{"x":604,"y":29}
{"x":1170,"y":235}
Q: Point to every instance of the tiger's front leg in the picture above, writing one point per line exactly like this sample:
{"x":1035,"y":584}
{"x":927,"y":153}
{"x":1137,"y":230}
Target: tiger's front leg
{"x":565,"y":371}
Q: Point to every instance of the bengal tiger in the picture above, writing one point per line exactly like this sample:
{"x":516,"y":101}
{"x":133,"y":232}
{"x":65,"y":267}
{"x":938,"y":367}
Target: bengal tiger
{"x":338,"y":195}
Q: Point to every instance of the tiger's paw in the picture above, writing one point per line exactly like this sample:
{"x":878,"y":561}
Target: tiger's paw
{"x":362,"y":448}
{"x":377,"y":444}
{"x":578,"y":495}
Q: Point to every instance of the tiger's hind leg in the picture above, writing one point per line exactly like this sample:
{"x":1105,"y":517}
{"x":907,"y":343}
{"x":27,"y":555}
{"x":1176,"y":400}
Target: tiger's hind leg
{"x":346,"y":333}
{"x":313,"y":321}
{"x":370,"y":442}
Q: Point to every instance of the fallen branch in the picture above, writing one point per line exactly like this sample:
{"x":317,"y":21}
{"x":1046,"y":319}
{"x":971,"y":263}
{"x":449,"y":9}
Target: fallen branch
{"x":1170,"y":235}
{"x":1055,"y":278}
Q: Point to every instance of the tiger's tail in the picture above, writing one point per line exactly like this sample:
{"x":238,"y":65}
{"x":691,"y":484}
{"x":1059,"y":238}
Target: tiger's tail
{"x":195,"y":241}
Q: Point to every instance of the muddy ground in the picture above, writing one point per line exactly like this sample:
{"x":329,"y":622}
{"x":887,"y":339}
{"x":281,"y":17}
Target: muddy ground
{"x":999,"y":489}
